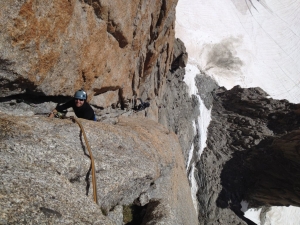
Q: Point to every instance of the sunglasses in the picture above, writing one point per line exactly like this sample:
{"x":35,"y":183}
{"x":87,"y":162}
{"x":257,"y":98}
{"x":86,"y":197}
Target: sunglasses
{"x":77,"y":99}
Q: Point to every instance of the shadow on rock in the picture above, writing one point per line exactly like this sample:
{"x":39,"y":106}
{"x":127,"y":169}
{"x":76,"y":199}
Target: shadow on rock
{"x":263,"y":175}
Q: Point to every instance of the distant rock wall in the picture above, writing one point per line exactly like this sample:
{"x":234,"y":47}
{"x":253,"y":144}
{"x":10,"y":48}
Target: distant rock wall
{"x":55,"y":47}
{"x":177,"y":110}
{"x":252,"y":154}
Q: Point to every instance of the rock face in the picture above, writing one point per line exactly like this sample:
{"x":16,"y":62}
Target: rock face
{"x":179,"y":111}
{"x":252,"y":154}
{"x":119,"y":52}
{"x":45,"y":171}
{"x":135,"y":165}
{"x":55,"y":47}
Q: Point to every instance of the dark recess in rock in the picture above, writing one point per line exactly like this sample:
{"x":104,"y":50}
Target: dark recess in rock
{"x":252,"y":154}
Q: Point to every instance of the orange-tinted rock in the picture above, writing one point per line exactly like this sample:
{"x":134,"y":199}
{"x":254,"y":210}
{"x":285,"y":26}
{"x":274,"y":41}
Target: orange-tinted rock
{"x":57,"y":46}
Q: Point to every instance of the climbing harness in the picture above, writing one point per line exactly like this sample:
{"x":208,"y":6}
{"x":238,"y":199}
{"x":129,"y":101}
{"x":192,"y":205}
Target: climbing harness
{"x":62,"y":116}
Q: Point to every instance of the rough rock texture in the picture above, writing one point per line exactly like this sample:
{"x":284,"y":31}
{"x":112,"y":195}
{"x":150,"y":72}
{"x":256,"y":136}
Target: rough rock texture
{"x":206,"y":85}
{"x":252,"y":154}
{"x":178,"y":110}
{"x":106,"y":99}
{"x":55,"y":47}
{"x":45,"y":172}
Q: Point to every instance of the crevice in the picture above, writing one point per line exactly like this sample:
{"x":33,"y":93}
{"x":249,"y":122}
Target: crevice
{"x":4,"y":64}
{"x":149,"y":58}
{"x":50,"y":212}
{"x":157,"y":79}
{"x":75,"y":179}
{"x":153,"y":32}
{"x":19,"y":84}
{"x":96,"y":6}
{"x":134,"y":85}
{"x":105,"y":89}
{"x":83,"y":76}
{"x":137,"y":19}
{"x":115,"y":31}
{"x":134,"y":214}
{"x":87,"y":180}
{"x":162,"y":13}
{"x":31,"y":97}
{"x":151,"y":213}
{"x":121,"y":99}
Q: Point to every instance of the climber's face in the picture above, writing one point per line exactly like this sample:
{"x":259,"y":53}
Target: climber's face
{"x":79,"y":102}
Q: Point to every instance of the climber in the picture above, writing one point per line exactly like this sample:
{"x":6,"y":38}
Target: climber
{"x":81,"y":108}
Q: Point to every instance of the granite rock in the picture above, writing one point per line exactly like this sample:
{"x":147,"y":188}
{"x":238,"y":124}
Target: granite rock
{"x":251,"y":155}
{"x":56,"y":47}
{"x":45,"y":172}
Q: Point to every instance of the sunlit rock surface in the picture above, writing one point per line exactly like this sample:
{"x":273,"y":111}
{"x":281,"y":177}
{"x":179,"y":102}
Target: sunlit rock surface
{"x":45,"y":172}
{"x":55,"y":47}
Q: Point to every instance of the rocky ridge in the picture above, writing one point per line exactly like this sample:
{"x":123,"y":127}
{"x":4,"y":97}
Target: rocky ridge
{"x":252,"y":154}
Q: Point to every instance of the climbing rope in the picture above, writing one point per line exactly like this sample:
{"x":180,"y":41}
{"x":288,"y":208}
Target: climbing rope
{"x":91,"y":157}
{"x":62,"y":116}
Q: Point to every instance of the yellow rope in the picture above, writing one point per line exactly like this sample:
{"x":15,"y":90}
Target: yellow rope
{"x":92,"y":160}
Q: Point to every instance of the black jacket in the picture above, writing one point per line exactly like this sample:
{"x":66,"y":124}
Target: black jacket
{"x":85,"y":111}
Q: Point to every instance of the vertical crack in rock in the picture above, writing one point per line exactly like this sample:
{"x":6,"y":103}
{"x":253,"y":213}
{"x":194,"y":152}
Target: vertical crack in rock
{"x":162,"y":13}
{"x":117,"y":33}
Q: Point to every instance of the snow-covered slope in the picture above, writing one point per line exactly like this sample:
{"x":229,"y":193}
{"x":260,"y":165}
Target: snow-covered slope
{"x":249,"y":43}
{"x":246,"y":42}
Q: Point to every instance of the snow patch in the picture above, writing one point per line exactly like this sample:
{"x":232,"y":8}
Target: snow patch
{"x":194,"y":188}
{"x":277,"y":215}
{"x":253,"y":44}
{"x":203,"y":121}
{"x":191,"y":71}
{"x":254,"y":215}
{"x":282,"y":215}
{"x":190,"y":156}
{"x":251,"y":214}
{"x":189,"y":78}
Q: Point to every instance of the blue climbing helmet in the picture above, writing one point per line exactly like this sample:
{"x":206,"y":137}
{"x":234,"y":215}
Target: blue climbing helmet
{"x":80,"y":94}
